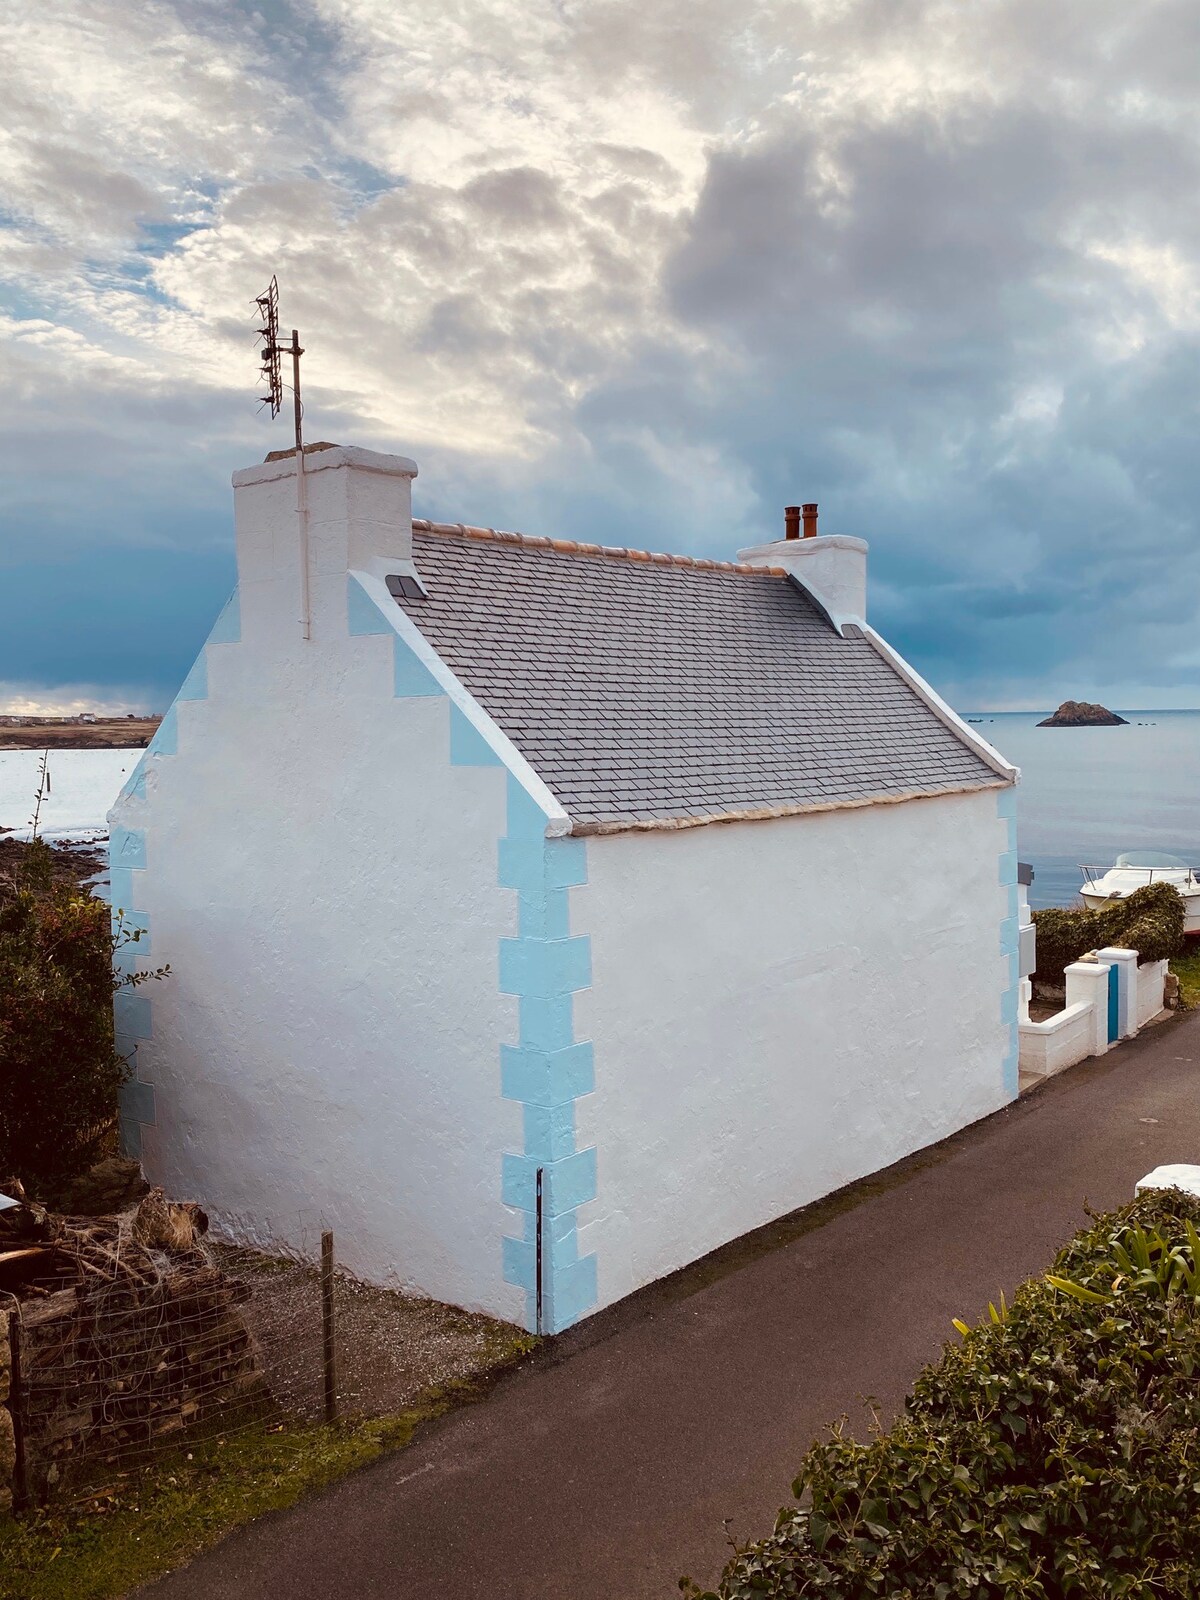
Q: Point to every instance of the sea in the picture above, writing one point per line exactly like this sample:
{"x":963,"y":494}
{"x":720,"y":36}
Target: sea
{"x":83,"y":784}
{"x":1086,"y":794}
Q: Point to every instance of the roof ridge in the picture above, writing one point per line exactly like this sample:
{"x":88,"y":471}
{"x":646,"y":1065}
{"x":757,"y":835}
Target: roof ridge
{"x":573,"y":547}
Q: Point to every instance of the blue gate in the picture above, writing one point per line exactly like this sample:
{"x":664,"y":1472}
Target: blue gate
{"x":1114,"y":1024}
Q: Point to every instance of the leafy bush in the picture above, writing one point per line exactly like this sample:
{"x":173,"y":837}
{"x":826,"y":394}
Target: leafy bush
{"x":59,"y":1069}
{"x":1053,"y":1452}
{"x":1149,"y":921}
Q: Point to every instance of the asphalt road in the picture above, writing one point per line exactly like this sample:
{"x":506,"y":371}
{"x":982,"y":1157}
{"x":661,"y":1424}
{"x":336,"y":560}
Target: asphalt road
{"x":609,"y":1466}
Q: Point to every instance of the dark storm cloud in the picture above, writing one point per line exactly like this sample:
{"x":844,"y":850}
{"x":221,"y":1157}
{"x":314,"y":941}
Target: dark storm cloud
{"x":628,"y":272}
{"x":937,"y":341}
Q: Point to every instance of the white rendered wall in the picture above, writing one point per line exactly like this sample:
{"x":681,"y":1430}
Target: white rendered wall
{"x":1151,"y":982}
{"x":1064,"y":1039}
{"x":779,"y":1008}
{"x":323,"y":882}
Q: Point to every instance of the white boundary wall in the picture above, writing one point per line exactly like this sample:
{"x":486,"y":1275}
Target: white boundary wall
{"x":1151,"y":983}
{"x":780,"y":1009}
{"x":1080,"y":1030}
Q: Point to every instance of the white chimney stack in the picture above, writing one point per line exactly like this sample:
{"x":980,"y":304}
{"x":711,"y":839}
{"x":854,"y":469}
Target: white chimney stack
{"x":832,"y":568}
{"x":297,"y":539}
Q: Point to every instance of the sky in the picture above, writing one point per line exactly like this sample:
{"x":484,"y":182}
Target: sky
{"x":617,"y":271}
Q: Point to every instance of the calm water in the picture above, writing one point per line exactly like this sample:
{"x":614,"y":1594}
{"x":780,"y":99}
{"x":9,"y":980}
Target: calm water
{"x":1086,"y":794}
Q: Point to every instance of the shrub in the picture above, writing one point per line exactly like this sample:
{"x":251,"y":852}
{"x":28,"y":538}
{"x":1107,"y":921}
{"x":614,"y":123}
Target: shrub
{"x":59,"y":1069}
{"x":1149,"y":921}
{"x":1052,"y":1452}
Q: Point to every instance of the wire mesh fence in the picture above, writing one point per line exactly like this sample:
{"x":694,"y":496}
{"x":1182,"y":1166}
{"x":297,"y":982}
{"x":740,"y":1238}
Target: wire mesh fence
{"x":138,"y":1336}
{"x":128,"y":1345}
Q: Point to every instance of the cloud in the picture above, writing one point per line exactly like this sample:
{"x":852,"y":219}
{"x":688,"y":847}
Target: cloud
{"x":642,"y":273}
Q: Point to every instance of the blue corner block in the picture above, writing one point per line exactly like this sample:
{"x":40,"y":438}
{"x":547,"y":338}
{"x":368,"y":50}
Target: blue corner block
{"x":120,"y":889}
{"x":129,"y":952}
{"x":130,"y":1132}
{"x":543,"y":914}
{"x":227,"y":629}
{"x":166,"y":741}
{"x":1006,"y":802}
{"x":550,"y":1131}
{"x":135,"y":783}
{"x":560,"y":1245}
{"x":195,"y":685}
{"x":363,"y":616}
{"x":136,"y":1102}
{"x":546,"y":1077}
{"x":1008,"y":869}
{"x":131,"y":1014}
{"x":566,"y":1183}
{"x":126,"y":848}
{"x":520,"y":1262}
{"x":545,"y":967}
{"x":572,"y":1292}
{"x":560,"y":1249}
{"x":411,"y":678}
{"x":546,"y":1022}
{"x":468,"y":747}
{"x":526,"y":819}
{"x":571,"y":1181}
{"x":544,"y":864}
{"x":1008,"y":1007}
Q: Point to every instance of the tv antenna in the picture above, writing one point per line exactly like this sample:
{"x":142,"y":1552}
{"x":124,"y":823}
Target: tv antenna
{"x":272,"y":357}
{"x":271,"y":373}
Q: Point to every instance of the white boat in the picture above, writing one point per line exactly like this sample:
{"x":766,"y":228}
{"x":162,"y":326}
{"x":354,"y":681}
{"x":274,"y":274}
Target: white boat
{"x":1133,"y":871}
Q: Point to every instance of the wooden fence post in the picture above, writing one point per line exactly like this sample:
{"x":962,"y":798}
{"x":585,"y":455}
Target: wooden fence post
{"x":328,"y":1352}
{"x":20,"y":1482}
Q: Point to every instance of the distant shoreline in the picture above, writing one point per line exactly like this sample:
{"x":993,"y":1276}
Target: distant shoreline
{"x":107,"y":733}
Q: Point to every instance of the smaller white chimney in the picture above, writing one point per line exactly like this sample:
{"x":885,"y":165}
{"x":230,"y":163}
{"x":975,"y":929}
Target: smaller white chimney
{"x":832,"y":568}
{"x":297,"y":539}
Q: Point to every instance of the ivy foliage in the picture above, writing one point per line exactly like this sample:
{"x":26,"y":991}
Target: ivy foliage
{"x":1054,"y":1451}
{"x":1150,"y":921}
{"x":59,"y":1068}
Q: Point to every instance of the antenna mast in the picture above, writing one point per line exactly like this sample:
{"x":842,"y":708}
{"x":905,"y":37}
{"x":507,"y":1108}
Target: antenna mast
{"x":272,"y":354}
{"x":272,"y":376}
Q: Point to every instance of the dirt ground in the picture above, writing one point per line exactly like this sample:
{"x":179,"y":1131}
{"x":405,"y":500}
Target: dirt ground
{"x":389,"y":1346}
{"x":1041,"y":1010}
{"x":118,"y":733}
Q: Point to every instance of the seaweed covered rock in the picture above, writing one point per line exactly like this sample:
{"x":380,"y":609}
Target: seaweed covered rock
{"x":1083,"y":714}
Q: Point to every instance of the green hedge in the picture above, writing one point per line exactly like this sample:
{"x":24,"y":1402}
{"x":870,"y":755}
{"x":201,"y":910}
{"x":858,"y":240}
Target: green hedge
{"x":1054,"y":1451}
{"x":59,"y":1068}
{"x":1150,"y":921}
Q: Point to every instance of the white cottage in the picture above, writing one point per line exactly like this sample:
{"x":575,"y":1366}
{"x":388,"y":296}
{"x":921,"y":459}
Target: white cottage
{"x":531,"y":902}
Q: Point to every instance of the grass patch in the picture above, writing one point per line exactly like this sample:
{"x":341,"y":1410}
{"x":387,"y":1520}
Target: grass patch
{"x":1187,"y":969}
{"x":162,"y":1516}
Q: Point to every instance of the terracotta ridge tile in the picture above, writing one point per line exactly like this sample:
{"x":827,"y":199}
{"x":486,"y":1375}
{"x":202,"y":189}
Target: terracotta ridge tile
{"x":537,"y":541}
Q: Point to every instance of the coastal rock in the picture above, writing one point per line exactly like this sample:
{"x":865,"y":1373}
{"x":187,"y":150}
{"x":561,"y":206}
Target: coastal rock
{"x":1082,"y":714}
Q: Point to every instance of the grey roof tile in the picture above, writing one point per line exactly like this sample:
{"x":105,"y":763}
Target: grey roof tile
{"x":643,"y":690}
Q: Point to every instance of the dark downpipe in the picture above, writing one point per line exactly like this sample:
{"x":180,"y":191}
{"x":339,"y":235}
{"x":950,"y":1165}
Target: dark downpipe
{"x":537,"y":1266}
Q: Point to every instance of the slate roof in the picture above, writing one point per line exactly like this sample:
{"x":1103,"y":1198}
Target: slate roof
{"x":658,"y":690}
